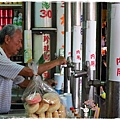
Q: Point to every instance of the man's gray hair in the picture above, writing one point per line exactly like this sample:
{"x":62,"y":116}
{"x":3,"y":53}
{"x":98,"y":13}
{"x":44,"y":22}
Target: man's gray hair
{"x":8,"y":30}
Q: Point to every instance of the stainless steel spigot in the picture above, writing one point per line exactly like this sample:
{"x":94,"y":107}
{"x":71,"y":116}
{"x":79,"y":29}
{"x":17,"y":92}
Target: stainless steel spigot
{"x":67,"y":74}
{"x":84,"y":72}
{"x":69,"y":59}
{"x":62,"y":66}
{"x":70,"y":65}
{"x":96,"y":83}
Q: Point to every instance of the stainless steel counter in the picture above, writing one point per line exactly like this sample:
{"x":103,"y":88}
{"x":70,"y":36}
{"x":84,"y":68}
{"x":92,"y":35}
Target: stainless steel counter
{"x":14,"y":113}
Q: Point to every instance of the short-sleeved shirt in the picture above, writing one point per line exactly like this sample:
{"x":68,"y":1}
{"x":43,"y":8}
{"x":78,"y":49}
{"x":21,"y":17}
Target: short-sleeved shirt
{"x":8,"y":75}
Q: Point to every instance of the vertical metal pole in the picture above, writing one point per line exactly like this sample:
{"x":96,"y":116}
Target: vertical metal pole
{"x":89,"y":45}
{"x":76,"y":14}
{"x":27,"y":33}
{"x":27,"y":15}
{"x":67,"y":43}
{"x":60,"y":27}
{"x":113,"y":60}
{"x":76,"y":53}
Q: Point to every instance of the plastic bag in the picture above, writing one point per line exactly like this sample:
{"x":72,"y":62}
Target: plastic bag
{"x":41,"y":100}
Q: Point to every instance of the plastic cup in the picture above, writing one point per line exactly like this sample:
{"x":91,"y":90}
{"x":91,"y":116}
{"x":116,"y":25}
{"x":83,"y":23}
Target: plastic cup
{"x":64,"y":101}
{"x":60,"y":80}
{"x":69,"y":100}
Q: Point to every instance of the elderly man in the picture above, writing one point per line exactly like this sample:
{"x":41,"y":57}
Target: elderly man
{"x":11,"y":72}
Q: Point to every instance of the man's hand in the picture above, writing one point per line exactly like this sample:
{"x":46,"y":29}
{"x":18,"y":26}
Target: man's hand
{"x":51,"y":82}
{"x":61,"y":60}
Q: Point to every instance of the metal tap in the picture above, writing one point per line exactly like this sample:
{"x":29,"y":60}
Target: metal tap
{"x":84,"y":72}
{"x":96,"y":83}
{"x":67,"y":74}
{"x":75,"y":82}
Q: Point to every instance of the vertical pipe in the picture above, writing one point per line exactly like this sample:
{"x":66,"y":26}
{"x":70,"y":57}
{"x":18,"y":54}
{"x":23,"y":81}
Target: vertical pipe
{"x":27,"y":15}
{"x":27,"y":33}
{"x":60,"y":27}
{"x":77,"y":13}
{"x":76,"y":52}
{"x":67,"y":43}
{"x":113,"y":60}
{"x":89,"y":45}
{"x":68,"y":17}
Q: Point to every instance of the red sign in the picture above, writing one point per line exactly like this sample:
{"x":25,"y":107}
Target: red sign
{"x":92,"y":61}
{"x":46,"y":55}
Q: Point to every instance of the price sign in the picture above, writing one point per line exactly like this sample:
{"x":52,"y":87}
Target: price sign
{"x":43,"y":14}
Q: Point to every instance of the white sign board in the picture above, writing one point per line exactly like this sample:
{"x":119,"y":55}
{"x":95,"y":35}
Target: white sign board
{"x":114,"y":61}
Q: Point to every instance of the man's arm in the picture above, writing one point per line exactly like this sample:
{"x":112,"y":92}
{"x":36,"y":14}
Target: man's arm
{"x":26,"y":71}
{"x":49,"y":65}
{"x":24,"y":84}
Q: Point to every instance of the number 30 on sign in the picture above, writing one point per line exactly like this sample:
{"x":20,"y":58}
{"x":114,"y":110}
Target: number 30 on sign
{"x":45,"y":13}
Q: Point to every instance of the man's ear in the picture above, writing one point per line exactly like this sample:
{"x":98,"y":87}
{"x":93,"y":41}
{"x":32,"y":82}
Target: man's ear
{"x":7,"y":39}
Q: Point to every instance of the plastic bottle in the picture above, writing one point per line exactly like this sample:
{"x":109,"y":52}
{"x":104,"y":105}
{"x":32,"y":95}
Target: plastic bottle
{"x":15,"y":18}
{"x":20,"y":20}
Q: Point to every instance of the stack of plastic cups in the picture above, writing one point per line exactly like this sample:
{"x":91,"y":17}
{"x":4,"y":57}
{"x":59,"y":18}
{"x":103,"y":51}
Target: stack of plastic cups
{"x":59,"y":78}
{"x":69,"y":100}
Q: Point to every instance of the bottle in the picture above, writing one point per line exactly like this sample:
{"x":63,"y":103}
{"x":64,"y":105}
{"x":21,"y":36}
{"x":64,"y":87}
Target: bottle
{"x":20,"y":20}
{"x":71,"y":112}
{"x":15,"y":18}
{"x":102,"y":93}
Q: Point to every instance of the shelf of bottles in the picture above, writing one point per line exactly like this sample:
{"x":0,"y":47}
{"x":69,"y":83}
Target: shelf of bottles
{"x":10,"y":13}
